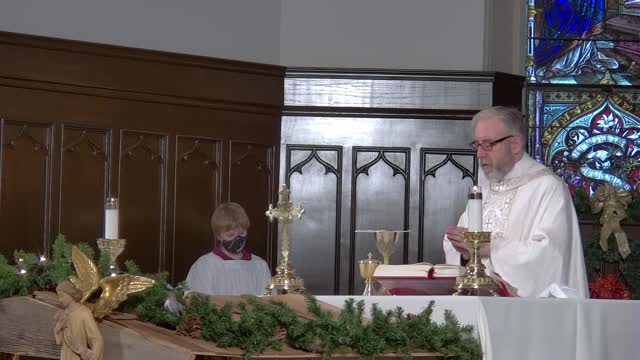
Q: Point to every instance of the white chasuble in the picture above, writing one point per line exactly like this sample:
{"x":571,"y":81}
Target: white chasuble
{"x":535,"y":240}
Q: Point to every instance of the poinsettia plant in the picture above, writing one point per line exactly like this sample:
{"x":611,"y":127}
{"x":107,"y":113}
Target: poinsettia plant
{"x":609,"y":286}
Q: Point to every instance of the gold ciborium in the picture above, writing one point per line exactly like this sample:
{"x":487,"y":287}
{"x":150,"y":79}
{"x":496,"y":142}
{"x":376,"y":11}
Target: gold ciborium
{"x":113,"y":248}
{"x":475,"y":281}
{"x":367,"y":268}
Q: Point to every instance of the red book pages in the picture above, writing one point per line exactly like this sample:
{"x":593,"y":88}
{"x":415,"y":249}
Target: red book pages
{"x":428,"y":285}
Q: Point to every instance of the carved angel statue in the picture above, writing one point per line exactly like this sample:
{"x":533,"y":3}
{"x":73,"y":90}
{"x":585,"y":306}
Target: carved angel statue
{"x":613,"y":203}
{"x":115,"y":289}
{"x":76,"y":329}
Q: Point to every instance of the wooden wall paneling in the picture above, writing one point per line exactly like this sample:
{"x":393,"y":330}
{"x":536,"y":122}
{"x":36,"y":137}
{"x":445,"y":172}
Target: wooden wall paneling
{"x":83,"y":183}
{"x":251,"y":175}
{"x":508,"y":90}
{"x":110,"y":98}
{"x":142,"y":193}
{"x":316,"y":167}
{"x":445,"y":178}
{"x":198,"y":184}
{"x":380,"y":198}
{"x":142,"y":72}
{"x":26,"y":153}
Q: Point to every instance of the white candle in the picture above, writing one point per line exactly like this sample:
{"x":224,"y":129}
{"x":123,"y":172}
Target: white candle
{"x":474,"y":209}
{"x":111,"y":219}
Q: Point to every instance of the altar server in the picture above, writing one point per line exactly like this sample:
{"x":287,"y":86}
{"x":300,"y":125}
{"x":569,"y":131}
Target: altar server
{"x":528,"y":209}
{"x":229,"y":269}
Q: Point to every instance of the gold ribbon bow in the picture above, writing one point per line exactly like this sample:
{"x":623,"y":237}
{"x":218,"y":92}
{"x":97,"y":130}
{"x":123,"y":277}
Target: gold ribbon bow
{"x":613,"y":203}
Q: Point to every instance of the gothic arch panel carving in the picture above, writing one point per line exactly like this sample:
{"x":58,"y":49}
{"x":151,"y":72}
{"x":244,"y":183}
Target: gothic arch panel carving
{"x":445,"y":175}
{"x":379,"y":200}
{"x":25,"y":175}
{"x":84,"y":181}
{"x":143,"y":196}
{"x":317,"y":167}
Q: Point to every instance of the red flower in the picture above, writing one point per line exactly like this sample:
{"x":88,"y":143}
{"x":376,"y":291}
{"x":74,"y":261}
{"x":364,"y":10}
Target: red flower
{"x":608,"y":287}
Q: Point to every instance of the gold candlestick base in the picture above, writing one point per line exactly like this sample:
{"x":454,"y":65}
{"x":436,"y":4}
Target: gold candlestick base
{"x":285,"y":281}
{"x":475,"y":281}
{"x":113,"y":247}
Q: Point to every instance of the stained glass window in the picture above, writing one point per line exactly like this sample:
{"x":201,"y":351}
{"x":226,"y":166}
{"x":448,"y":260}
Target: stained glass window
{"x":583,"y":107}
{"x":584,"y":42}
{"x":589,"y":137}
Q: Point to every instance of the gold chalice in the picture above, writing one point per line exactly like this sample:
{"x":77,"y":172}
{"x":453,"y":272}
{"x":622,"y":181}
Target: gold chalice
{"x":475,"y":281}
{"x":367,"y":268}
{"x":386,"y":242}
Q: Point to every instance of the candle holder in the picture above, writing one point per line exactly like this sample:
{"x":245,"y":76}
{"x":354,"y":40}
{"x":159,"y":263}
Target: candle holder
{"x":475,"y":281}
{"x":112,"y":247}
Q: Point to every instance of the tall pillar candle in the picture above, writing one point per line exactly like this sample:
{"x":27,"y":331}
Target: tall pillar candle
{"x":111,"y":219}
{"x":474,"y":209}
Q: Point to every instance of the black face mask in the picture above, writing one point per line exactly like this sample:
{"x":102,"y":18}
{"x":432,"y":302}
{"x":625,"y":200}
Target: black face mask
{"x":234,"y":245}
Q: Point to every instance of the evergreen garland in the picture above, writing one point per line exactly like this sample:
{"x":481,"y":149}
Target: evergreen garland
{"x":385,"y":332}
{"x":9,"y":279}
{"x":582,"y":205}
{"x":149,"y":304}
{"x":38,"y":275}
{"x":594,"y":256}
{"x":629,"y":268}
{"x":261,"y":325}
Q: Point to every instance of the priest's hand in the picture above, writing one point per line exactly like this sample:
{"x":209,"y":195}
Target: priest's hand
{"x":454,"y":235}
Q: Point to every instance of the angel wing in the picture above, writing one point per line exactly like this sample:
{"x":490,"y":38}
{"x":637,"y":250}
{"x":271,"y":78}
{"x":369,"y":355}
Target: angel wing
{"x":88,"y":276}
{"x":115,"y":290}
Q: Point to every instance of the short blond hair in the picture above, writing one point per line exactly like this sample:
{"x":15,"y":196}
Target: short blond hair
{"x":227,"y":217}
{"x":70,"y":289}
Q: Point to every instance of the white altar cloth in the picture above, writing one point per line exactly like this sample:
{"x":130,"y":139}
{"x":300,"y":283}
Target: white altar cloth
{"x":534,"y":328}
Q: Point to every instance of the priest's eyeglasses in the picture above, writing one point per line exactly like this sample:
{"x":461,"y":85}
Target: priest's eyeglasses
{"x":487,"y":145}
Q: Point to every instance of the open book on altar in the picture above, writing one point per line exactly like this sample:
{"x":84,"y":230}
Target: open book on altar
{"x":418,"y":279}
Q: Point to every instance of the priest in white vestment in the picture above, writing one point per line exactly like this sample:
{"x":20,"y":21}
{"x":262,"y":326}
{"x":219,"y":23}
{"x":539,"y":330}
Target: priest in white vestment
{"x":535,"y":239}
{"x":229,"y":269}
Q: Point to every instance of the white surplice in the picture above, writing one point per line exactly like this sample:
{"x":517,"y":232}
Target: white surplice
{"x":535,"y":239}
{"x":213,"y":275}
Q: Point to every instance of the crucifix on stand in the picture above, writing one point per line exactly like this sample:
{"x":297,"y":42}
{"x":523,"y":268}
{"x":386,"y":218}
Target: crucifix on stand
{"x":284,"y":281}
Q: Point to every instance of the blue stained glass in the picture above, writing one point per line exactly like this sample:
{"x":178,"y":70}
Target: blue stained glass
{"x":584,"y":42}
{"x":600,"y":144}
{"x":551,"y":112}
{"x":567,"y":20}
{"x":586,"y":135}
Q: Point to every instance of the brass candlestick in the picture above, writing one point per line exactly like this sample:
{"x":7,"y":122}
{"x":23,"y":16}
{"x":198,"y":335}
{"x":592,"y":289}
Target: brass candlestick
{"x":475,"y":281}
{"x":285,"y":281}
{"x":367,"y":268}
{"x":112,"y":247}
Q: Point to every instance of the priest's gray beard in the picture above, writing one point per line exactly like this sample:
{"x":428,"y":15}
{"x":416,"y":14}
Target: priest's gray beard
{"x":496,"y":174}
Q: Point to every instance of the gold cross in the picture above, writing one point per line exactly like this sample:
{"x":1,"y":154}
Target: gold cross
{"x":284,"y":212}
